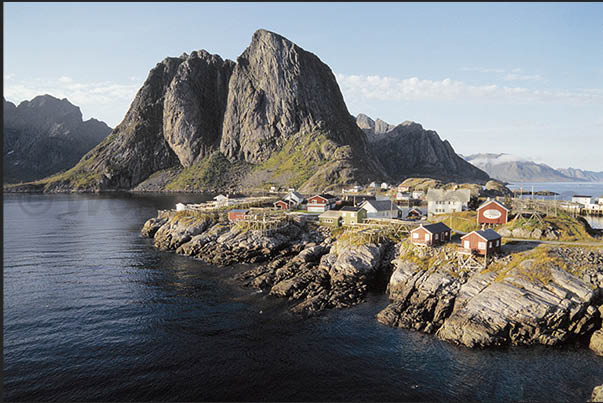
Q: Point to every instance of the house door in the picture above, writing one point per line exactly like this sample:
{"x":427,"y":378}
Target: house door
{"x":467,"y":245}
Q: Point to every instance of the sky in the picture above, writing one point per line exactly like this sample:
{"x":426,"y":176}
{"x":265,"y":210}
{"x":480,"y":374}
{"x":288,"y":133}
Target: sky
{"x":518,"y":78}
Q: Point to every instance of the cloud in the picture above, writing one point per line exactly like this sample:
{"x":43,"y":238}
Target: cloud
{"x":105,"y":100}
{"x":9,"y":76}
{"x":523,"y":77}
{"x":407,"y":89}
{"x":483,"y":70}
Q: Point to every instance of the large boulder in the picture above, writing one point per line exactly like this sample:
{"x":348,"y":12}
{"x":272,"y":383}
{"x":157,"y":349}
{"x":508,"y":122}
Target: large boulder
{"x":596,"y":342}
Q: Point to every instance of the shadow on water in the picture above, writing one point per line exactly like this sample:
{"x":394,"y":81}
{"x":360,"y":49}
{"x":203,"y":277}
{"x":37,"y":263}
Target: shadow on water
{"x":92,"y":312}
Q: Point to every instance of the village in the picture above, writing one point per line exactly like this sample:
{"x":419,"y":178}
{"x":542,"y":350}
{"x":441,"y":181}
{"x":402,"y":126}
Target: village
{"x":476,"y":221}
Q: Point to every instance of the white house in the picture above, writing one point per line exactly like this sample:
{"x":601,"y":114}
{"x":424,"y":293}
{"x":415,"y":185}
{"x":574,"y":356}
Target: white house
{"x":600,"y":199}
{"x":384,"y":186}
{"x":294,"y":199}
{"x":441,"y":201}
{"x":584,"y":200}
{"x":418,"y":194}
{"x":221,"y":200}
{"x":380,"y":209}
{"x":372,"y":185}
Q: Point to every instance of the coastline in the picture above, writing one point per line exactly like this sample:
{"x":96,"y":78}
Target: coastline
{"x":428,"y":291}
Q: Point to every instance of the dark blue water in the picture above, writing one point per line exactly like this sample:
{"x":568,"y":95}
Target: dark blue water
{"x":93,"y":313}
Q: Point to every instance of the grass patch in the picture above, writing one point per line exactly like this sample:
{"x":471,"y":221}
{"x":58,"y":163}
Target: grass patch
{"x":212,"y":172}
{"x":465,"y":221}
{"x":296,"y":162}
{"x":539,"y":271}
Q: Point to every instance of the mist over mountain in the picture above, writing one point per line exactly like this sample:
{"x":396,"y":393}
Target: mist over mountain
{"x":510,"y":168}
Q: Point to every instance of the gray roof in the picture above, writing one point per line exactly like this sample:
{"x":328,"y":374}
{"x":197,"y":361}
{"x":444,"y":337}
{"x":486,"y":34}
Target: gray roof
{"x":382,"y":205}
{"x":488,"y":234}
{"x":294,"y":195}
{"x":437,"y":228}
{"x":461,"y":195}
{"x":350,"y":208}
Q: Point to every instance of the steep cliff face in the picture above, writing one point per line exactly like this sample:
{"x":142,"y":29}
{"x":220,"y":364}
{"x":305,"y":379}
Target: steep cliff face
{"x":276,"y":116}
{"x":44,"y":136}
{"x":135,"y":149}
{"x":408,"y":150}
{"x":194,"y":106}
{"x":199,"y":108}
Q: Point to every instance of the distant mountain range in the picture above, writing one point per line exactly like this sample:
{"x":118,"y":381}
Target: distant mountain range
{"x":510,"y":168}
{"x":407,"y":150}
{"x":275,"y":116}
{"x":44,"y":136}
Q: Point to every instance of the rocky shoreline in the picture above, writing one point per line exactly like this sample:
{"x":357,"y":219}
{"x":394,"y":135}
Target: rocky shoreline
{"x":524,"y":303}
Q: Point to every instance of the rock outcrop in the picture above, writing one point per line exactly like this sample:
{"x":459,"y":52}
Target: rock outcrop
{"x":297,"y":260}
{"x":408,"y":150}
{"x":44,"y":136}
{"x":483,"y":309}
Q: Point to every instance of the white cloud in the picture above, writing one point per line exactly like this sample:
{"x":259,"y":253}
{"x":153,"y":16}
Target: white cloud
{"x":523,"y":77}
{"x":398,"y":89}
{"x":64,"y":79}
{"x":483,"y":70}
{"x":9,"y":76}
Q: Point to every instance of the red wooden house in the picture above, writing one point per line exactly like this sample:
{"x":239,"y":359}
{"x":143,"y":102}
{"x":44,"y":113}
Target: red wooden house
{"x":283,"y":205}
{"x":484,"y":241}
{"x":432,"y":234}
{"x":235,"y":215}
{"x":492,"y":212}
{"x":321,"y":203}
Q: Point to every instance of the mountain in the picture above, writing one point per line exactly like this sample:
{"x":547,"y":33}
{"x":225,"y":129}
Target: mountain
{"x":44,"y":136}
{"x":510,"y":168}
{"x":408,"y":150}
{"x":581,"y":175}
{"x":275,"y":116}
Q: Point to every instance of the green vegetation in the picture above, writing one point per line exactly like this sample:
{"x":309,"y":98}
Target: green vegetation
{"x":296,"y":162}
{"x":80,"y":177}
{"x":568,"y":228}
{"x":465,"y":221}
{"x":539,"y":270}
{"x":212,"y":172}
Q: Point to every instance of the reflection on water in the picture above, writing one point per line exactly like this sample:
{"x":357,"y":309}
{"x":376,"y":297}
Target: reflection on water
{"x":93,"y":312}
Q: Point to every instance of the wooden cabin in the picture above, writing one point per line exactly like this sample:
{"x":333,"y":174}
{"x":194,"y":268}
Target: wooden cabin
{"x":483,"y":242}
{"x":352,"y":215}
{"x":283,"y":205}
{"x":235,"y":215}
{"x":331,"y":217}
{"x":492,"y":212}
{"x":321,"y":202}
{"x":430,"y":235}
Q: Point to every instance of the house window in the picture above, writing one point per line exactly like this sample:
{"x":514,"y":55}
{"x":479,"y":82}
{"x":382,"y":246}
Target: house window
{"x":481,"y":245}
{"x":415,"y":235}
{"x":427,"y":237}
{"x":466,"y":244}
{"x":498,"y":242}
{"x":490,"y":244}
{"x":436,"y":236}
